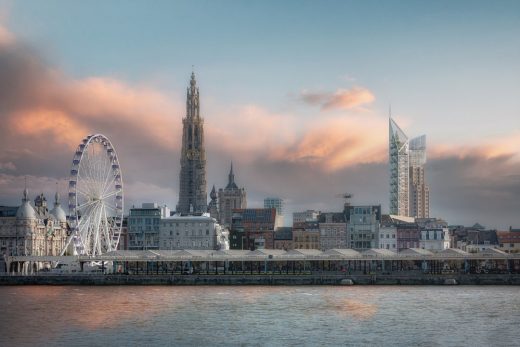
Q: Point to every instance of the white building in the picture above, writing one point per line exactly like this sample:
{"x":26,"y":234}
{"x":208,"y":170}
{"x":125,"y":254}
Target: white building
{"x":191,"y":232}
{"x":388,"y":238}
{"x":333,"y":231}
{"x":435,"y":239}
{"x":143,"y":225}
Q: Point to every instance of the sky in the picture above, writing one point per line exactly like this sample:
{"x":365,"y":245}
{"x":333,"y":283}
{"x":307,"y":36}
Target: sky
{"x":295,"y":93}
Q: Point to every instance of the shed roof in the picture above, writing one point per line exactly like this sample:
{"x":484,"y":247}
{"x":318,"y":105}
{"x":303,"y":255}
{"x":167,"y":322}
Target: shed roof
{"x":415,"y":252}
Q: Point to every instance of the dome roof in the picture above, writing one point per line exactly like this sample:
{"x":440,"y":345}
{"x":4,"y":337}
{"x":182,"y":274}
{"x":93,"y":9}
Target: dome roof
{"x":26,"y":211}
{"x":58,"y":213}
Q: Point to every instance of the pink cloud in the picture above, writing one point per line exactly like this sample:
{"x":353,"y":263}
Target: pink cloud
{"x":76,"y":108}
{"x":341,"y":99}
{"x":330,"y":142}
{"x":339,"y":143}
{"x":55,"y":124}
{"x":490,"y":148}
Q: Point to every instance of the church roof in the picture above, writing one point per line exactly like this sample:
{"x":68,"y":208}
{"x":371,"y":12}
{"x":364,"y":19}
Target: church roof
{"x":232,"y":185}
{"x":231,"y":181}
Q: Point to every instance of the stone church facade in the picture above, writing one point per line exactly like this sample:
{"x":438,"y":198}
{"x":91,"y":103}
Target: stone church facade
{"x":230,"y":198}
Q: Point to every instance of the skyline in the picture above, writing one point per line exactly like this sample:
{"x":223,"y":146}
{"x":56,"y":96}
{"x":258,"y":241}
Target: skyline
{"x":327,"y":111}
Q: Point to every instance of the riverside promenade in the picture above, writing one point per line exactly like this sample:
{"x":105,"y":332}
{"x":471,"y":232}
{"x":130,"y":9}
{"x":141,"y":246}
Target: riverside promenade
{"x":262,"y":279}
{"x":268,"y":267}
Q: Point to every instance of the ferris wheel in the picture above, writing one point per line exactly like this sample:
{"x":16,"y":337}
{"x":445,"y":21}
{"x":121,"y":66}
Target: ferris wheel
{"x":95,"y":198}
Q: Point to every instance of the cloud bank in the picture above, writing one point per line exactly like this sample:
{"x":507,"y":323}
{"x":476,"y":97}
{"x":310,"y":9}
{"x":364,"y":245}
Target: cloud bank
{"x":45,"y":114}
{"x":341,"y":99}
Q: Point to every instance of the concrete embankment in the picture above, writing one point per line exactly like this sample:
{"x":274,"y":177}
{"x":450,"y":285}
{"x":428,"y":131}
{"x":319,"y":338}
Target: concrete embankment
{"x":316,"y":279}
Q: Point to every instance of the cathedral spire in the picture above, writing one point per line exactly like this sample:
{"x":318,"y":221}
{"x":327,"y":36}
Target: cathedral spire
{"x":231,"y":179}
{"x":192,"y":193}
{"x":192,"y":98}
{"x":193,"y":81}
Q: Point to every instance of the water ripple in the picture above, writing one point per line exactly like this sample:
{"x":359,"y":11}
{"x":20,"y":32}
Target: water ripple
{"x":259,"y":316}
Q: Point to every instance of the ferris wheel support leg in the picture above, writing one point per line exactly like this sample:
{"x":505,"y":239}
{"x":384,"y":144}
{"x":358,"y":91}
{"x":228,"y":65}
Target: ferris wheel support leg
{"x":67,"y":244}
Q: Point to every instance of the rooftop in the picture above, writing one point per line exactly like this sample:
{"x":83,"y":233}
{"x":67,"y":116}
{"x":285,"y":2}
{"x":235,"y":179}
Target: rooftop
{"x":282,"y":255}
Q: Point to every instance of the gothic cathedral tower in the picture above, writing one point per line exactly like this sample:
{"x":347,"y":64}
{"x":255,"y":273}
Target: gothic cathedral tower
{"x":192,"y":193}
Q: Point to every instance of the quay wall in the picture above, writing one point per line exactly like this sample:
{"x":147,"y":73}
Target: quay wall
{"x":266,"y":279}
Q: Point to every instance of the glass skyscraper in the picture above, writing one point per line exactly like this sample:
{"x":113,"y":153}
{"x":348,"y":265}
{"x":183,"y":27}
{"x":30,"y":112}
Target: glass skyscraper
{"x":409,"y":194}
{"x":399,"y":162}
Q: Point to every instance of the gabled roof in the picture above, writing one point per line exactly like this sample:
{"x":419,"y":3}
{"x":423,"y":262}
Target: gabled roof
{"x":308,"y":252}
{"x":452,"y":252}
{"x":266,"y":252}
{"x":415,"y":252}
{"x":184,"y":253}
{"x":492,"y":252}
{"x":132,"y":254}
{"x":294,"y":253}
{"x":343,"y":253}
{"x":378,"y":252}
{"x":237,"y":252}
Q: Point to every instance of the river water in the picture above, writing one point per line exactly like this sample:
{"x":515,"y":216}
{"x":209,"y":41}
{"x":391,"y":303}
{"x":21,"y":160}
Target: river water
{"x":259,"y":316}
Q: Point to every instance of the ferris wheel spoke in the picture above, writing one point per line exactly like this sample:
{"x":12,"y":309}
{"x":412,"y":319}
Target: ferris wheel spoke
{"x":111,"y":194}
{"x":108,"y":184}
{"x":108,"y":241}
{"x":89,"y":203}
{"x":96,"y":231}
{"x":107,"y":181}
{"x":112,"y":207}
{"x":108,"y":169}
{"x":84,"y":224}
{"x":83,"y":192}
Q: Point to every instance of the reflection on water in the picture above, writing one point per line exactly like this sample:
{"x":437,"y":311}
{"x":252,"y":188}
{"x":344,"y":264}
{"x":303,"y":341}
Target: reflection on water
{"x":257,"y":315}
{"x":356,"y":309}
